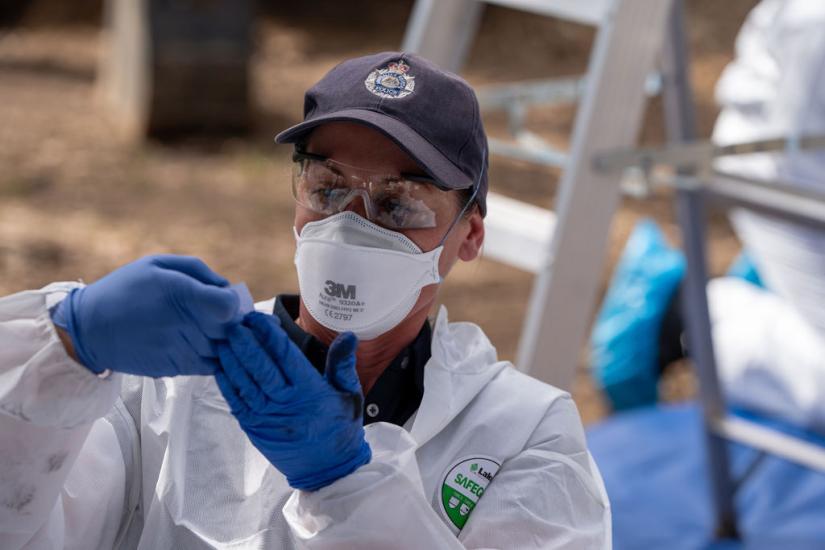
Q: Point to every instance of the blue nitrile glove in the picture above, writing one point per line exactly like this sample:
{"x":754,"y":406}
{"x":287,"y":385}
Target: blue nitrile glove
{"x":153,"y":317}
{"x":309,"y":426}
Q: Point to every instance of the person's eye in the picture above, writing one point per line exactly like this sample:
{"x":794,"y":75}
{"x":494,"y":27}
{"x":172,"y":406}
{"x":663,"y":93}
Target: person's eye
{"x":392,"y":203}
{"x":394,"y":210}
{"x":322,"y":192}
{"x":322,"y":188}
{"x":324,"y":199}
{"x":328,"y":179}
{"x":398,"y":209}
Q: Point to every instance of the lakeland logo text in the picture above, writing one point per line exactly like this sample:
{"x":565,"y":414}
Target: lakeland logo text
{"x":476,"y":469}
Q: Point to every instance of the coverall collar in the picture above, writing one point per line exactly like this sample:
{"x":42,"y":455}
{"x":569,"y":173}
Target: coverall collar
{"x":463,"y":361}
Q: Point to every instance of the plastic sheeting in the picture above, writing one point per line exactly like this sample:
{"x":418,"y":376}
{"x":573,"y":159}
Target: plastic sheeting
{"x":654,"y":466}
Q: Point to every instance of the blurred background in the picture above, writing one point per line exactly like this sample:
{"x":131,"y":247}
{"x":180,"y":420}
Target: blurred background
{"x":82,"y":193}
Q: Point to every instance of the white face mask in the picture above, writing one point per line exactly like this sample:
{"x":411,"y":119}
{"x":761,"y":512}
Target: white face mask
{"x":357,"y":276}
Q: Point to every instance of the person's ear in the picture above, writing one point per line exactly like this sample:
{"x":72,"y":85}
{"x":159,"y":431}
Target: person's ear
{"x":474,"y":239}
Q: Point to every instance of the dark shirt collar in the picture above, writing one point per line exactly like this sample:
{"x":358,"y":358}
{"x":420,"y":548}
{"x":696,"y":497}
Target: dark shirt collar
{"x":397,"y":393}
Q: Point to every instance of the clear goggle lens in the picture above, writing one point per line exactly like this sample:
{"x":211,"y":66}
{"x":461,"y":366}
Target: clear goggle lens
{"x":398,"y":202}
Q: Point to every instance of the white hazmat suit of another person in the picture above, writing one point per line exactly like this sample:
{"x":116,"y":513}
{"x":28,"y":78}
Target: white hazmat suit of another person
{"x":147,"y":411}
{"x":770,"y":345}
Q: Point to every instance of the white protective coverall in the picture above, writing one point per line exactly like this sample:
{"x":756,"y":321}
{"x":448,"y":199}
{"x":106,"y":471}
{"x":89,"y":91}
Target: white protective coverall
{"x":133,"y":462}
{"x":771,"y":346}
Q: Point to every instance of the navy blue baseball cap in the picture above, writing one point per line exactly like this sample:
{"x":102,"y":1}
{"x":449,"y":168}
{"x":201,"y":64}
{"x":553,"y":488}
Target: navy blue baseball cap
{"x":430,"y":113}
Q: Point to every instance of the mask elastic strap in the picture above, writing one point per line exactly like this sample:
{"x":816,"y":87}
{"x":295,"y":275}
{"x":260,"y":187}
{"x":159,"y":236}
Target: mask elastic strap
{"x":468,"y":203}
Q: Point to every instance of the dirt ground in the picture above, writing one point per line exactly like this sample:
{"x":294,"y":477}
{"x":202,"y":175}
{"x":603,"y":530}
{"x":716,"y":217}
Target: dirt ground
{"x":75,"y":202}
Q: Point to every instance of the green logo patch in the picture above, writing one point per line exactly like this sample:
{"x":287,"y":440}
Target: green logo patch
{"x":465,"y":483}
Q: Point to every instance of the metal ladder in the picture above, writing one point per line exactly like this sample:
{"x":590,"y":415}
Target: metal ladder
{"x":698,"y":186}
{"x":565,"y":248}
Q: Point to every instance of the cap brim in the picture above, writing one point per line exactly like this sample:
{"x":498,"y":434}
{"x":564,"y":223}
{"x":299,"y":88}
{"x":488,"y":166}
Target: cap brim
{"x":421,"y":150}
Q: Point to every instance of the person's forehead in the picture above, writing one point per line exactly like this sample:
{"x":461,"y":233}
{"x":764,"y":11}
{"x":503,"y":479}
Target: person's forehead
{"x":362,"y":146}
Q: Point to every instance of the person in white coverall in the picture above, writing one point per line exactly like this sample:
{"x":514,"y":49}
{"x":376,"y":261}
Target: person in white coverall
{"x":770,"y":344}
{"x":151,"y":410}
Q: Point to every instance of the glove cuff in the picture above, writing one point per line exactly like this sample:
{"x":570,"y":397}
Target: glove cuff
{"x":63,"y":316}
{"x":320,"y":480}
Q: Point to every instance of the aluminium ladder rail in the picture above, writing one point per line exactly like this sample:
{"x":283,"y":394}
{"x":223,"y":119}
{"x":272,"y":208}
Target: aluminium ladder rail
{"x":697,"y":183}
{"x":568,"y":258}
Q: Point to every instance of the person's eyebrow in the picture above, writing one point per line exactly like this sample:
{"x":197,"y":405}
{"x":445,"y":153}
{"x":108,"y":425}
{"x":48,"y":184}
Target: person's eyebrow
{"x":420,"y":178}
{"x":300,"y":153}
{"x":303,"y":155}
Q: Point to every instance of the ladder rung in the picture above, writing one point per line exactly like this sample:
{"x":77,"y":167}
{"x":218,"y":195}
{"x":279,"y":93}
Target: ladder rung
{"x":771,"y":441}
{"x":697,"y":156}
{"x":518,"y":233}
{"x":545,"y":155}
{"x":775,"y":197}
{"x":545,"y":91}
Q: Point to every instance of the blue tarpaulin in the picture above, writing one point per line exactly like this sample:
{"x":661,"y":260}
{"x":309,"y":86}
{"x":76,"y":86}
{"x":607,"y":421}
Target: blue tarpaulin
{"x":654,"y":465}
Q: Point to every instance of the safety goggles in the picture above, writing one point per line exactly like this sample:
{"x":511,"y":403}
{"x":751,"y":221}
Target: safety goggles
{"x":400,"y":201}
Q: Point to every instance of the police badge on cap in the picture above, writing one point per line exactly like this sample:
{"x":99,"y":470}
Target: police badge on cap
{"x":393,"y":81}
